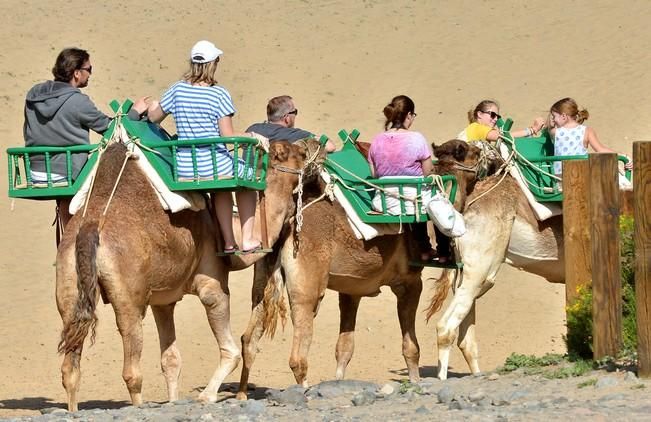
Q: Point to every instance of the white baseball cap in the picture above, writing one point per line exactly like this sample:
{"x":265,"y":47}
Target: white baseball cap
{"x":204,"y":52}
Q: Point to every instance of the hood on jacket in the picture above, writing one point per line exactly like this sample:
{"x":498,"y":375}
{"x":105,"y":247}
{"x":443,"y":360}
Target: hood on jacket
{"x":48,"y":97}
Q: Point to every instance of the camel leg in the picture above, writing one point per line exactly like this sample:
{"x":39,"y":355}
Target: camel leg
{"x":254,"y":331}
{"x":215,"y":297}
{"x":468,"y":342}
{"x":459,"y":308}
{"x":304,"y":304}
{"x":71,"y":375}
{"x":170,"y":357}
{"x":129,"y":320}
{"x":348,"y":306}
{"x":66,"y":297}
{"x":408,"y":295}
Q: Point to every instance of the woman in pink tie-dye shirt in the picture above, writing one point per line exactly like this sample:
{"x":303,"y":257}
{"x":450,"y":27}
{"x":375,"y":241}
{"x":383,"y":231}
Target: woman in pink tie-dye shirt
{"x":399,"y":151}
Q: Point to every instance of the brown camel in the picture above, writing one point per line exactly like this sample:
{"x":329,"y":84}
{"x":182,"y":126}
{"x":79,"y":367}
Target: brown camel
{"x":326,"y":254}
{"x":138,"y":255}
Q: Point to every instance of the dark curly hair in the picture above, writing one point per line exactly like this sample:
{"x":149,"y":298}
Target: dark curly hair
{"x":69,"y":60}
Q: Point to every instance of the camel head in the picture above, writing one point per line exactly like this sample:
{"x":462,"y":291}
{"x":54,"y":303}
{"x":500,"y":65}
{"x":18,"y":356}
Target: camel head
{"x":461,"y":159}
{"x":305,"y":155}
{"x":289,"y":165}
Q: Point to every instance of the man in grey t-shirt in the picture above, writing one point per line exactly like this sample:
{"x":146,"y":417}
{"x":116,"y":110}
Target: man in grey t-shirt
{"x":281,"y":116}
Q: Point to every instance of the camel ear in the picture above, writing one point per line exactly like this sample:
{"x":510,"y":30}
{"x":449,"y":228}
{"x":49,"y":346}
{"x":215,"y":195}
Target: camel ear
{"x":460,"y":151}
{"x":279,"y":151}
{"x":301,"y":149}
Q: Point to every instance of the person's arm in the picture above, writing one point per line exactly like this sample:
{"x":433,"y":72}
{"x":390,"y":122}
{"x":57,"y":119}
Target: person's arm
{"x":536,"y":126}
{"x":372,"y":167}
{"x":330,"y":146}
{"x":138,"y":108}
{"x":89,"y":116}
{"x":428,"y":166}
{"x":592,"y":139}
{"x":369,"y":158}
{"x":226,"y":126}
{"x":155,"y":113}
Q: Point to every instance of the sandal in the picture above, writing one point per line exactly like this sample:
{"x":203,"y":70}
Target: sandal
{"x":432,"y":255}
{"x":231,"y":250}
{"x":255,"y":249}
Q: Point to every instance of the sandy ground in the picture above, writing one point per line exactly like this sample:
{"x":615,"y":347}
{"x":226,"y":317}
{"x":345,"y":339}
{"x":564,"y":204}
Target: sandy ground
{"x":342,"y":61}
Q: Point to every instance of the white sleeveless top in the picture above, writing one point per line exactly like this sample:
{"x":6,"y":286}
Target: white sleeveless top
{"x":568,"y":141}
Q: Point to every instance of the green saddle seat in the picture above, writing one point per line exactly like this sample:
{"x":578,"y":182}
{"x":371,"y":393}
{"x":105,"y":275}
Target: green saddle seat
{"x":351,"y":172}
{"x":160,"y":150}
{"x":534,"y":157}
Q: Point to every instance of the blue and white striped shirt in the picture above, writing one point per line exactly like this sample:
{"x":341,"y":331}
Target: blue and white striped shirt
{"x":196,"y":110}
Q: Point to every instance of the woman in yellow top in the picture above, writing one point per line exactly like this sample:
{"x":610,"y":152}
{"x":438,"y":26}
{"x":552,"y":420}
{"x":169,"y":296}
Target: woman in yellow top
{"x":483,"y":119}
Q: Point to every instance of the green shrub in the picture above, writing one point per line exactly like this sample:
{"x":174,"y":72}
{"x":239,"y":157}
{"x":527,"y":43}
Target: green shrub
{"x":551,"y":366}
{"x":629,"y":323}
{"x":579,"y":313}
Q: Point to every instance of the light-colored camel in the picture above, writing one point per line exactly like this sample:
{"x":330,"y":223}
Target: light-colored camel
{"x":139,"y":255}
{"x":326,"y":254}
{"x":500,"y":227}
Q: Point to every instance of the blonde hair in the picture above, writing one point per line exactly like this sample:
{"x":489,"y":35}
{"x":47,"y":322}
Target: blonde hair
{"x":568,"y":106}
{"x":472,"y":113}
{"x":202,"y":73}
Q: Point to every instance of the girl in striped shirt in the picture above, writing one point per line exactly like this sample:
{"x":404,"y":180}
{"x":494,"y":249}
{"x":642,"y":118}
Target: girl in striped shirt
{"x":203,"y":109}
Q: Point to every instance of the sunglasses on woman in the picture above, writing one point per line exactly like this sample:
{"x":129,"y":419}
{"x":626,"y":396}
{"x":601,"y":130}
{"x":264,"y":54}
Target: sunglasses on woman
{"x":493,"y":114}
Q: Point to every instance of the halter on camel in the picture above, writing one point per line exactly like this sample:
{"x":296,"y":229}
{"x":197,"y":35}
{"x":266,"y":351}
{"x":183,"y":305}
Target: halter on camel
{"x":310,"y":165}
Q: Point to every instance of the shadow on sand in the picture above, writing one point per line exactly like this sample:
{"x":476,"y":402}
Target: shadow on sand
{"x":38,"y":403}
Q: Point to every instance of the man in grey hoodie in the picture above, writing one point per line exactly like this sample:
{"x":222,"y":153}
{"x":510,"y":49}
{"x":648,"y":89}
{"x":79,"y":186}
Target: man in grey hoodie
{"x":57,"y":113}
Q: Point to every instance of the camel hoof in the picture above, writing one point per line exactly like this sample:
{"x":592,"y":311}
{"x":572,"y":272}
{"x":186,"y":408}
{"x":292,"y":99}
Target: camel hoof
{"x":207,"y":398}
{"x":241,"y":396}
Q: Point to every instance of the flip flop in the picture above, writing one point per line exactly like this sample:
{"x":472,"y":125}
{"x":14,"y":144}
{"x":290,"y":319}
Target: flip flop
{"x":255,"y":249}
{"x":232,"y":250}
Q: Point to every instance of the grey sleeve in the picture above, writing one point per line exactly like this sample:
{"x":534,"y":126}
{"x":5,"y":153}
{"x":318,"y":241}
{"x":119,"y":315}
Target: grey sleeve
{"x":301,"y":134}
{"x":89,"y":116}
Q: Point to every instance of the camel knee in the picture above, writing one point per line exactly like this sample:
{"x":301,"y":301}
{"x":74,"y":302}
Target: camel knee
{"x":170,"y":362}
{"x":133,"y":380}
{"x":70,"y":371}
{"x":299,"y":368}
{"x":411,"y":351}
{"x":445,"y":337}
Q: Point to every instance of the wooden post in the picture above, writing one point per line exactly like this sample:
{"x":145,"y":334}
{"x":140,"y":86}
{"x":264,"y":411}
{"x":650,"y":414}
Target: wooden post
{"x":626,"y":202}
{"x":642,"y":238}
{"x":606,"y":276}
{"x":576,"y":227}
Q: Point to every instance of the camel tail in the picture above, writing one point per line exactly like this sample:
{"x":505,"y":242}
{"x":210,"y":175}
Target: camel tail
{"x":84,"y":318}
{"x":274,"y":304}
{"x":441,"y":288}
